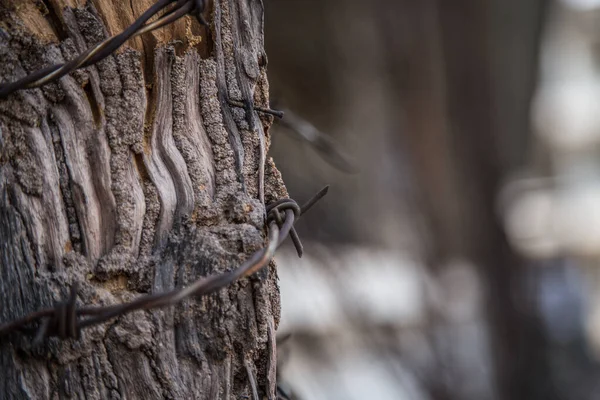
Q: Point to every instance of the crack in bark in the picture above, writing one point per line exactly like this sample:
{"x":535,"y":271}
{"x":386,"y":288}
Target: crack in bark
{"x":65,"y":189}
{"x":55,"y":21}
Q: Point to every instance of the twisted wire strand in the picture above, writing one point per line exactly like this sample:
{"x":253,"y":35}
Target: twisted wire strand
{"x":109,"y":45}
{"x":66,"y":320}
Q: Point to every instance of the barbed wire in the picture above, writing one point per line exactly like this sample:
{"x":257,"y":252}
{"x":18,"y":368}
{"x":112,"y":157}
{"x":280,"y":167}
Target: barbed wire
{"x":66,"y":319}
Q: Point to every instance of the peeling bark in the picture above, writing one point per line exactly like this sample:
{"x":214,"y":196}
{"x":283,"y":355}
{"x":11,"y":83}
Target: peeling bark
{"x":136,"y":176}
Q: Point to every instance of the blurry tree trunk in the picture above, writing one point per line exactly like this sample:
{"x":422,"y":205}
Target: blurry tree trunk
{"x":466,"y":91}
{"x":438,"y":91}
{"x":488,"y":69}
{"x":491,"y":67}
{"x":135,"y":176}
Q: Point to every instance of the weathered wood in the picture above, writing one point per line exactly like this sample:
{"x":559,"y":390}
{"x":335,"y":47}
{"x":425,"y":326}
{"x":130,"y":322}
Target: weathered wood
{"x":131,"y":176}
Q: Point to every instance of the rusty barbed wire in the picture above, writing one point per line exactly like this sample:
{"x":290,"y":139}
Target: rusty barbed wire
{"x":66,"y":320}
{"x":109,"y":45}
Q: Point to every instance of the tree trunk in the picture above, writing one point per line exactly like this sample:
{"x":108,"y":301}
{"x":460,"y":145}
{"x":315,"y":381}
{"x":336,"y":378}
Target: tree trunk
{"x":136,"y":176}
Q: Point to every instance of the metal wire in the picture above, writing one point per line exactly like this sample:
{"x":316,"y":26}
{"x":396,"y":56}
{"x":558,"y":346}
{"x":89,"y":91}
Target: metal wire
{"x":66,"y":320}
{"x":109,"y":45}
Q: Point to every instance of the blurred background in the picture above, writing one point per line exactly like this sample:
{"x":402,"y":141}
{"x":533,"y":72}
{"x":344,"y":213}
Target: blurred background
{"x":457,"y":254}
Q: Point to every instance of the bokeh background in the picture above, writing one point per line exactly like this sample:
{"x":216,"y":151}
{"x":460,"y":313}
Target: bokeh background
{"x":457,"y":253}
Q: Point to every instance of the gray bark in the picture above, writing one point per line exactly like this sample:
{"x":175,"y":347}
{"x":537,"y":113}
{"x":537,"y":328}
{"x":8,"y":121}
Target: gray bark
{"x":135,"y":176}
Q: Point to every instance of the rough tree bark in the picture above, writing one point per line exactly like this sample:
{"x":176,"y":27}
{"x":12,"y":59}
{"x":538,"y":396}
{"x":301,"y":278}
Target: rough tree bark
{"x":134,"y":176}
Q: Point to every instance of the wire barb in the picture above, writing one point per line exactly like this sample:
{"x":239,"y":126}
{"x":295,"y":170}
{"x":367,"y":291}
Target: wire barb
{"x":277,"y":113}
